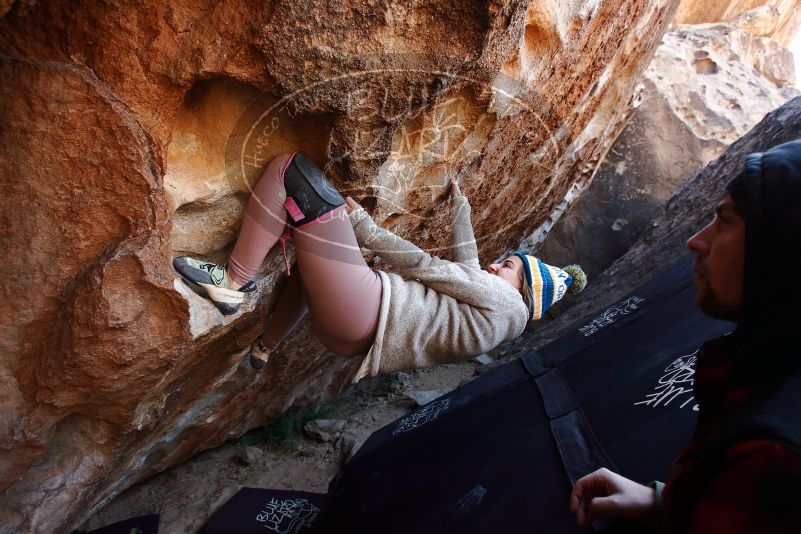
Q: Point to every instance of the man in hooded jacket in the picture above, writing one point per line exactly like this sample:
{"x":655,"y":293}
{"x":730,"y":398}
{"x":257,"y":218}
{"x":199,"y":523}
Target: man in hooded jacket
{"x":741,"y":472}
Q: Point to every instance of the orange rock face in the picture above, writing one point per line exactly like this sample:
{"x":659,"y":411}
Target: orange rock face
{"x":133,"y":132}
{"x":787,"y":13}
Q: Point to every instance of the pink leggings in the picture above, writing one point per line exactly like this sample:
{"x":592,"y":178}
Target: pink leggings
{"x":332,"y":279}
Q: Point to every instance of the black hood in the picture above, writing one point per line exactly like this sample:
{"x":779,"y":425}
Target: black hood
{"x":768,"y":195}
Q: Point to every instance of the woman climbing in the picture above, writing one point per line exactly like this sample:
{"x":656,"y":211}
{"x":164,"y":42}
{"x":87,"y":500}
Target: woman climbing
{"x":433,"y":311}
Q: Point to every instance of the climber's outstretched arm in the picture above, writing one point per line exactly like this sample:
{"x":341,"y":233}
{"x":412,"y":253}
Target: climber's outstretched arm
{"x":465,"y":284}
{"x":393,"y":249}
{"x":463,"y":241}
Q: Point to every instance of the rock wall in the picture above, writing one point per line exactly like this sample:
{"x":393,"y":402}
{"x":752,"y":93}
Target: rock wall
{"x":786,"y":12}
{"x":133,"y":131}
{"x":688,"y":211}
{"x":696,"y":101}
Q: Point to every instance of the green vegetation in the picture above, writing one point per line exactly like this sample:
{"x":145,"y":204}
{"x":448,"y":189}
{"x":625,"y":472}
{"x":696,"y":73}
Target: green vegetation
{"x":284,"y":433}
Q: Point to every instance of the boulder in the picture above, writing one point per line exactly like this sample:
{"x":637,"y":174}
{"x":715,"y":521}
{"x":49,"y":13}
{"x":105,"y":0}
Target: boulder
{"x":706,"y":87}
{"x":779,"y":19}
{"x":761,"y":21}
{"x":133,"y":132}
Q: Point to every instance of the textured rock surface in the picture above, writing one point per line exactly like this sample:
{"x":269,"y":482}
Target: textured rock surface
{"x":706,"y":87}
{"x":128,"y":136}
{"x":788,"y":14}
{"x":687,"y":212}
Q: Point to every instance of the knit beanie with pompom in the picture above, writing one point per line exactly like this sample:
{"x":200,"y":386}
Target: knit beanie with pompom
{"x":545,"y":284}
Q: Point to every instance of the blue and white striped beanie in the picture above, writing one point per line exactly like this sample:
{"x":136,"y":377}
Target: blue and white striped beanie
{"x":547,"y":284}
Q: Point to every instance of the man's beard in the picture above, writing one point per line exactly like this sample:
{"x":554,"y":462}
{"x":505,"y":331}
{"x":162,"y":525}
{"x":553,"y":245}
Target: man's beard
{"x":711,"y":305}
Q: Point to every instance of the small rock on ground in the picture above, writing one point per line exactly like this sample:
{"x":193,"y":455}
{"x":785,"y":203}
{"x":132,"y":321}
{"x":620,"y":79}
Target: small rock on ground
{"x":350,"y":442}
{"x":249,"y":455}
{"x":423,"y":397}
{"x":484,"y":359}
{"x":324,"y":430}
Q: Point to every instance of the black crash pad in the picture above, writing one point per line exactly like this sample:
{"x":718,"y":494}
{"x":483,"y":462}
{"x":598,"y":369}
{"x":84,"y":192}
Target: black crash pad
{"x":266,"y":511}
{"x":146,"y":524}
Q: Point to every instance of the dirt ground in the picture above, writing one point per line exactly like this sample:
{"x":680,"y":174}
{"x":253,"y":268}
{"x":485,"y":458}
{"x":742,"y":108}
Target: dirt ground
{"x":187,"y":495}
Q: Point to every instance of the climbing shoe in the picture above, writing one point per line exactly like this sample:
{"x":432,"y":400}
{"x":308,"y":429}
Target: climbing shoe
{"x":259,"y":354}
{"x":211,"y":280}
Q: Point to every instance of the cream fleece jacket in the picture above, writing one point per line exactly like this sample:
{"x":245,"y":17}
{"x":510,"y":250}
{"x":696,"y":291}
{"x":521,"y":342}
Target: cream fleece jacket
{"x":436,"y":311}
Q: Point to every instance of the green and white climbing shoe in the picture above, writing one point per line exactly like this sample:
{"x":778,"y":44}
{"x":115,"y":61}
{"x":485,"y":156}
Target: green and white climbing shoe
{"x":211,"y":280}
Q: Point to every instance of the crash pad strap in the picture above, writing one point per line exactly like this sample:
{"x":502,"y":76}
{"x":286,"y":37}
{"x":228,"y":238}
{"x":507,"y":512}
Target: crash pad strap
{"x":556,"y":395}
{"x":578,"y":447}
{"x":532,"y":363}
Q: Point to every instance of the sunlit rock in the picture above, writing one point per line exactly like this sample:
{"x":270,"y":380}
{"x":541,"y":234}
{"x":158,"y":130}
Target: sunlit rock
{"x":748,"y":14}
{"x":706,"y":87}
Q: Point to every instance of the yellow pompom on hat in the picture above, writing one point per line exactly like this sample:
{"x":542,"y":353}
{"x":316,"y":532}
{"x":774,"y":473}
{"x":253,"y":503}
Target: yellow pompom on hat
{"x":547,"y":284}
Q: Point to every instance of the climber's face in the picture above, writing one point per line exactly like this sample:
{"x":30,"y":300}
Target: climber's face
{"x":510,"y":269}
{"x":720,"y":263}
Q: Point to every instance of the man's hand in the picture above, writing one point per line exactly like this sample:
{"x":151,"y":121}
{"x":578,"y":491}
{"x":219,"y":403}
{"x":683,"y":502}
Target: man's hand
{"x":455,"y":191}
{"x":351,"y":205}
{"x":609,"y":494}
